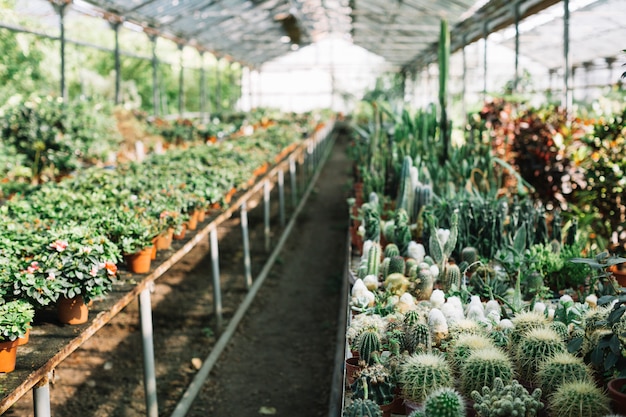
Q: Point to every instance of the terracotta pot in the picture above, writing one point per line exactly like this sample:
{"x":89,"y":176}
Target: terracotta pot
{"x":72,"y":310}
{"x":153,"y":254}
{"x":24,"y":339}
{"x":618,"y":398}
{"x":397,"y":405}
{"x":620,"y":275}
{"x":386,"y":409}
{"x":201,"y":215}
{"x":139,"y":262}
{"x":410,"y":406}
{"x":352,"y":368}
{"x":8,"y":355}
{"x":164,"y":240}
{"x":181,"y":235}
{"x":192,"y":223}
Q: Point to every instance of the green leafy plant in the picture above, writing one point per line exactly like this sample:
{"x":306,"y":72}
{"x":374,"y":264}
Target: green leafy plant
{"x":15,"y":319}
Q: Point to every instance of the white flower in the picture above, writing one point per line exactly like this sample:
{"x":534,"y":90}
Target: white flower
{"x":416,"y":251}
{"x":51,"y":276}
{"x":539,"y":307}
{"x":443,"y":235}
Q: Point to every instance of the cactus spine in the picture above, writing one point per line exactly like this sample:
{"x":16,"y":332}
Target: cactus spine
{"x":506,"y":400}
{"x":526,"y":321}
{"x":422,"y":373}
{"x":483,"y":366}
{"x":362,"y":408}
{"x":444,"y":402}
{"x":391,"y":250}
{"x":579,"y":399}
{"x":559,"y":369}
{"x":537,"y":345}
{"x":369,"y":344}
{"x":397,"y":265}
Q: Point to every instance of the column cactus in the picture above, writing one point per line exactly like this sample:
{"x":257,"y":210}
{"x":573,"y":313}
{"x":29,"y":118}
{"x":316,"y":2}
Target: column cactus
{"x":402,"y":231}
{"x":369,"y":345}
{"x":423,"y":283}
{"x":444,"y":65}
{"x":373,"y":260}
{"x":440,"y":251}
{"x":371,"y":222}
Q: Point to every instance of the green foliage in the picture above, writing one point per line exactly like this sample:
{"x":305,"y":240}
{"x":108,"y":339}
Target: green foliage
{"x":15,"y":319}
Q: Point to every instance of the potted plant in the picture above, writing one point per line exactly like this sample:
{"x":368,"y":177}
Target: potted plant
{"x":15,"y":319}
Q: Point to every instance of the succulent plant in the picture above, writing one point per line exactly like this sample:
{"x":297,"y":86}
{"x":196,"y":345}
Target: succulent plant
{"x":536,"y":345}
{"x":396,"y":283}
{"x":362,"y":408}
{"x":423,"y":283}
{"x":483,"y":366}
{"x":412,"y":317}
{"x":375,"y":383}
{"x":391,"y":250}
{"x":579,"y":399}
{"x":451,"y":277}
{"x":506,"y":400}
{"x":462,"y":347}
{"x":561,"y":329}
{"x":371,"y":222}
{"x":422,"y":373}
{"x":417,"y":338}
{"x":444,"y":402}
{"x":368,"y":344}
{"x":500,"y":337}
{"x":402,"y":231}
{"x":469,"y":255}
{"x":373,"y":260}
{"x":559,"y":369}
{"x":397,"y":265}
{"x":383,"y":269}
{"x":525,"y":321}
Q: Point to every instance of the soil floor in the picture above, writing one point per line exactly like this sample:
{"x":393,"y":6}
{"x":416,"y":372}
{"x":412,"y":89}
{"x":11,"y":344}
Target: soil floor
{"x":280,"y":360}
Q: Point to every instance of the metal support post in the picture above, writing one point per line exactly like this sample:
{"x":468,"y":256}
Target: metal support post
{"x":516,"y":13}
{"x":281,"y":197}
{"x":464,"y":80}
{"x":266,"y":214}
{"x":218,"y":87}
{"x":61,"y":11}
{"x":203,"y":111}
{"x":215,"y":267}
{"x":292,"y":177}
{"x":149,"y":369}
{"x":485,"y":37}
{"x":155,"y":77}
{"x":118,"y":64}
{"x":567,"y":98}
{"x":246,"y":245}
{"x":41,"y":397}
{"x":181,"y":83}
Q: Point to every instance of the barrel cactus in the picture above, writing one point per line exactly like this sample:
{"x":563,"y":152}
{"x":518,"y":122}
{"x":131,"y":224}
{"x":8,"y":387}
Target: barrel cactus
{"x":362,"y":408}
{"x":444,"y":402}
{"x":537,"y":345}
{"x":391,"y":250}
{"x":559,"y":369}
{"x":579,"y":399}
{"x":397,"y":265}
{"x":420,"y":374}
{"x":506,"y":400}
{"x":483,"y":366}
{"x":450,"y":277}
{"x":561,"y":329}
{"x":463,"y":346}
{"x":525,"y":321}
{"x":417,"y":338}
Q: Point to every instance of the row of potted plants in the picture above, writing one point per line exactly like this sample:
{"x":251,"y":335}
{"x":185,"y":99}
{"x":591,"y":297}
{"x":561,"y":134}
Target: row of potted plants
{"x":66,"y":240}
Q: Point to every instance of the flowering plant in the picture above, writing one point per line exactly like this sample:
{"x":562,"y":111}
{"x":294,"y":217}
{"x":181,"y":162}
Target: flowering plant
{"x":15,"y":319}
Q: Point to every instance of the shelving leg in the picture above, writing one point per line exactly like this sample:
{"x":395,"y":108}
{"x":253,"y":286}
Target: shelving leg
{"x":41,"y":398}
{"x":266,"y":214}
{"x":246,"y":244}
{"x":281,"y":197}
{"x":149,"y":370}
{"x":215,"y":267}
{"x":292,"y":177}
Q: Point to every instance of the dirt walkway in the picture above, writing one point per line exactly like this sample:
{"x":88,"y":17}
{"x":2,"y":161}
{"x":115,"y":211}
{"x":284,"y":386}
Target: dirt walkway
{"x":280,"y":360}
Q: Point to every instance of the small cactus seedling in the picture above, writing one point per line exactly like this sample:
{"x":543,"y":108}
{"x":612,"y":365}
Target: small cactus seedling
{"x":362,"y":408}
{"x":397,"y":265}
{"x":537,"y":345}
{"x":483,"y":366}
{"x":391,"y":250}
{"x":369,"y":344}
{"x":420,"y":374}
{"x":506,"y":400}
{"x":561,"y":368}
{"x":444,"y":402}
{"x":579,"y":399}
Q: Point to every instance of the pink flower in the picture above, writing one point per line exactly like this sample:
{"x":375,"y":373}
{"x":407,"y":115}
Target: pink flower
{"x":51,"y":276}
{"x":110,"y":267}
{"x":86,"y":249}
{"x":94,"y":271}
{"x":34,"y":266}
{"x":59,"y":245}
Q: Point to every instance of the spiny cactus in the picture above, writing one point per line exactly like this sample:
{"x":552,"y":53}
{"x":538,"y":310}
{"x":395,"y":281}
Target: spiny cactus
{"x":500,"y":337}
{"x":469,"y":254}
{"x":396,"y":283}
{"x":374,"y":383}
{"x":369,"y":344}
{"x":535,"y":346}
{"x":463,"y":346}
{"x":561,"y":329}
{"x":422,"y":373}
{"x":397,"y":265}
{"x":441,"y":251}
{"x":405,"y":193}
{"x":423,"y":196}
{"x":423,"y":284}
{"x":412,"y":272}
{"x":533,"y":285}
{"x":410,"y":263}
{"x":389,"y":231}
{"x":417,"y":338}
{"x":483,"y":366}
{"x":373,"y":260}
{"x":506,"y":400}
{"x":371,"y":222}
{"x":362,"y":269}
{"x":383,"y":269}
{"x":362,"y":408}
{"x":444,"y":402}
{"x":402,"y":232}
{"x":451,"y":277}
{"x":579,"y":399}
{"x":412,"y":318}
{"x":561,"y":368}
{"x":525,"y":321}
{"x":391,"y":250}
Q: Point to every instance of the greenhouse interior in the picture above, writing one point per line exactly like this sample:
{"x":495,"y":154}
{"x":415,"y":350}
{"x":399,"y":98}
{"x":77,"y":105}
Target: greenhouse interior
{"x":313,"y":207}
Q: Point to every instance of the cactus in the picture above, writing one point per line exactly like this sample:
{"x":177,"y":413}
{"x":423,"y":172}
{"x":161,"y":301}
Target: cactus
{"x":397,"y":265}
{"x":526,"y":321}
{"x":373,"y":260}
{"x":444,"y":69}
{"x":422,"y":373}
{"x":506,"y":400}
{"x":463,"y":346}
{"x":362,"y":408}
{"x":389,"y":232}
{"x":410,"y":263}
{"x":412,"y":318}
{"x":402,"y":232}
{"x":533,"y":285}
{"x":444,"y":402}
{"x":451,"y":277}
{"x":362,"y":269}
{"x":374,"y":383}
{"x":383,"y":269}
{"x":500,"y":337}
{"x":371,"y":222}
{"x":412,"y":272}
{"x":396,"y":283}
{"x":561,"y":329}
{"x":482,"y":366}
{"x":469,"y":254}
{"x":405,"y":193}
{"x":423,"y":195}
{"x":579,"y":399}
{"x":369,"y":342}
{"x":423,"y":285}
{"x":537,"y":345}
{"x":441,"y":251}
{"x":391,"y":250}
{"x":417,"y":338}
{"x":559,"y":369}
